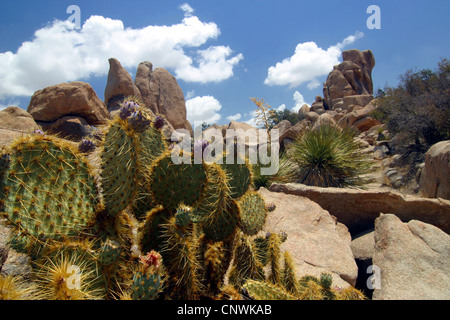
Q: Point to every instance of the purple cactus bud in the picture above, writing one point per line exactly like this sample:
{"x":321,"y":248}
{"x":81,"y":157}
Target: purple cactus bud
{"x":86,"y":146}
{"x":39,"y":132}
{"x":159,"y":122}
{"x":138,"y":121}
{"x":283,"y":236}
{"x":270,"y":207}
{"x":128,"y":107}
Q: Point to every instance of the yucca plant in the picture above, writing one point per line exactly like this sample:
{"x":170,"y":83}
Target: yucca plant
{"x":328,"y":156}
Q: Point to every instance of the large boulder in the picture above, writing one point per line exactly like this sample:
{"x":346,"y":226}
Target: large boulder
{"x":15,"y":122}
{"x":75,"y":99}
{"x":316,"y":241}
{"x":68,"y":127}
{"x":412,"y":259}
{"x":119,"y":85}
{"x":435,"y":176}
{"x":358,"y":209}
{"x":351,"y":77}
{"x":360,"y":118}
{"x":161,"y":93}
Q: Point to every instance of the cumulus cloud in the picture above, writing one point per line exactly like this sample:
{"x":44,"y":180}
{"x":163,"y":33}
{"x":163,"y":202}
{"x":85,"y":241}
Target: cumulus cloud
{"x":308,"y":63}
{"x":203,"y":109}
{"x":299,"y":101}
{"x":235,"y":117}
{"x":59,"y":52}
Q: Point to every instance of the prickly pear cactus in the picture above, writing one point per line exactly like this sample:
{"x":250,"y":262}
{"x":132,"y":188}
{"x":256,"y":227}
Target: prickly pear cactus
{"x":148,"y":281}
{"x":119,"y":166}
{"x":260,"y":290}
{"x":172,"y":184}
{"x":252,"y":213}
{"x":48,"y":190}
{"x":109,"y":252}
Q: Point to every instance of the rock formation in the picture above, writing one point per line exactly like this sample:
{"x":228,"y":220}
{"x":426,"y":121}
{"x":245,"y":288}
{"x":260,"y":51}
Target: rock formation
{"x":15,"y":122}
{"x":68,"y":109}
{"x":358,"y":209}
{"x":413,"y":260}
{"x":316,"y":241}
{"x":435,"y":176}
{"x":351,"y":77}
{"x":161,"y":93}
{"x":118,"y":86}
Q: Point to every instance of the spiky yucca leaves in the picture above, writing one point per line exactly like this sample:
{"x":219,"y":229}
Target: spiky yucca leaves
{"x":260,"y":290}
{"x":16,"y":288}
{"x":172,"y":184}
{"x":69,"y":274}
{"x":49,"y":191}
{"x":328,"y":156}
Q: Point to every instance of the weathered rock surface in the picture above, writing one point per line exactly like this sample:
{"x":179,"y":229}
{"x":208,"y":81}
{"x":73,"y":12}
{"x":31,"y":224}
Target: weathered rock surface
{"x":15,"y":122}
{"x":351,"y":77}
{"x":358,"y":209}
{"x":360,"y":118}
{"x":119,"y":85}
{"x":316,"y":241}
{"x":413,"y":259}
{"x":75,"y":99}
{"x":161,"y":93}
{"x":435,"y":176}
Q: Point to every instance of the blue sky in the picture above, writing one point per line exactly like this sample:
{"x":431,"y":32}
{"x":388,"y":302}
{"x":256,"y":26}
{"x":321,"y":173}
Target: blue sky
{"x":221,"y":52}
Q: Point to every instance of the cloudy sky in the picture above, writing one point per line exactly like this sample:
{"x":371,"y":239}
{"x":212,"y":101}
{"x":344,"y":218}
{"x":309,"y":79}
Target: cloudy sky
{"x":221,"y":52}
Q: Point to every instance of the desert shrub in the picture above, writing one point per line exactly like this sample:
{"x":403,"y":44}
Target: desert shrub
{"x":417,"y":111}
{"x":328,"y":156}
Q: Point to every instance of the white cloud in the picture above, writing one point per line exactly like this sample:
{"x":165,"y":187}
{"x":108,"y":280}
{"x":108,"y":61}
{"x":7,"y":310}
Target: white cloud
{"x":308,"y":62}
{"x":203,"y":109}
{"x":299,"y":101}
{"x":281,"y":108}
{"x":213,"y":65}
{"x":188,"y":10}
{"x":59,"y":53}
{"x":235,"y":117}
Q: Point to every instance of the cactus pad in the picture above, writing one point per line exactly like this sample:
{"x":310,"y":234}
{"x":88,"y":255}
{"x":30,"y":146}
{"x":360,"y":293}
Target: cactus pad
{"x":252,"y":213}
{"x":48,"y":191}
{"x":172,"y":184}
{"x":119,"y":166}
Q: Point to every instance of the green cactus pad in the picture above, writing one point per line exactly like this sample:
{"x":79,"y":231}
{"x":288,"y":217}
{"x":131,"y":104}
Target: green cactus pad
{"x":146,"y":286}
{"x":240,"y":177}
{"x":152,"y":146}
{"x":252,"y":213}
{"x":173,"y":184}
{"x":48,"y":191}
{"x":119,"y":166}
{"x":109,"y":252}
